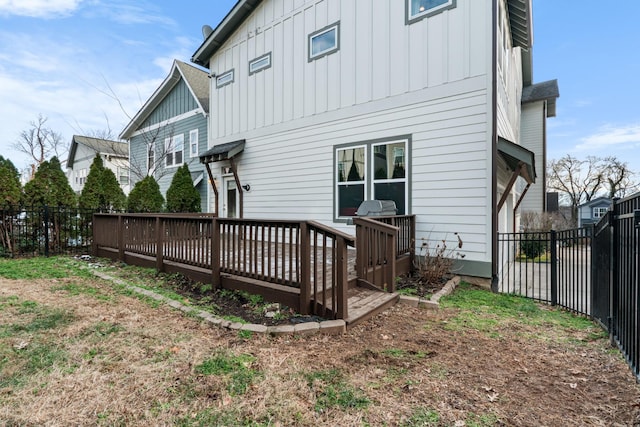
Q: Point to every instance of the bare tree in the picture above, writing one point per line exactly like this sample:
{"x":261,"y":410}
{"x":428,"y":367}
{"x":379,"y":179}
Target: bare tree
{"x":39,"y":143}
{"x":579,"y":181}
{"x":619,"y":179}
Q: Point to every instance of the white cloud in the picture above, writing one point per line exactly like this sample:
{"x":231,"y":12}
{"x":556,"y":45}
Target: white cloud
{"x":38,"y":8}
{"x":611,"y":136}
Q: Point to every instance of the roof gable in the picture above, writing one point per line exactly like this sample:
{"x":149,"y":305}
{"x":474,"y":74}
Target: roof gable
{"x":195,"y":80}
{"x":102,"y":146}
{"x":597,"y":202}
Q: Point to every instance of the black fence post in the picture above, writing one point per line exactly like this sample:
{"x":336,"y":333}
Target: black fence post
{"x":554,"y":268}
{"x":615,"y":245}
{"x":45,"y":220}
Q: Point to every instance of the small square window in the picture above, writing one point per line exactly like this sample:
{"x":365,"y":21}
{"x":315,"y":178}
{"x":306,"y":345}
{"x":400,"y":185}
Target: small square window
{"x":324,"y":41}
{"x":261,"y":63}
{"x":419,"y":9}
{"x":224,"y":79}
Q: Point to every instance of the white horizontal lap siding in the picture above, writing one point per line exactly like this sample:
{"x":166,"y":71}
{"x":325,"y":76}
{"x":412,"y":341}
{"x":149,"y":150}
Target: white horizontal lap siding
{"x":379,"y":57}
{"x":532,"y":138}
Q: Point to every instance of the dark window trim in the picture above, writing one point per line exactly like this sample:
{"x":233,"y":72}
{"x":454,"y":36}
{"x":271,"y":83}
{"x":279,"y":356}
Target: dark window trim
{"x":233,"y":78}
{"x":260,"y":58}
{"x":326,"y":29}
{"x":410,"y":20}
{"x":369,"y":143}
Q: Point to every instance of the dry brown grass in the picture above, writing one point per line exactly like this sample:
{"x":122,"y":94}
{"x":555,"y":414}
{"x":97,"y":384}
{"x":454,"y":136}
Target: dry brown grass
{"x":127,"y":362}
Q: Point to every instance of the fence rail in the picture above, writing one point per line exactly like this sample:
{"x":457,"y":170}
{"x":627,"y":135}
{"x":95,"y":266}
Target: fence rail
{"x":45,"y":230}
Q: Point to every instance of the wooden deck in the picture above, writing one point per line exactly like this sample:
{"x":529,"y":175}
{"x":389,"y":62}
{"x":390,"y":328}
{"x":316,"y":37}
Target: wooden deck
{"x":304,"y":265}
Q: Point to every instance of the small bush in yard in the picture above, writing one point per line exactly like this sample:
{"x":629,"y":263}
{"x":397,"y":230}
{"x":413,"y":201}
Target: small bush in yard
{"x":434,"y":263}
{"x":533,"y":245}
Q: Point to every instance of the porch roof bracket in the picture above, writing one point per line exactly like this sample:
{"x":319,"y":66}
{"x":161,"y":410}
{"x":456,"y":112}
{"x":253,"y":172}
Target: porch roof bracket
{"x":215,"y":189}
{"x":507,"y":190}
{"x":514,"y":155}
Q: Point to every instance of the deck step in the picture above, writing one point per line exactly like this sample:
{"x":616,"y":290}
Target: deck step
{"x":366,"y":303}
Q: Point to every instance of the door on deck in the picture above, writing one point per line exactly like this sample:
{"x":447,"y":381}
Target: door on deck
{"x":231,"y":205}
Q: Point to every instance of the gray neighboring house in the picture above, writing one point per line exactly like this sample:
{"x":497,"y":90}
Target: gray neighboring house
{"x":591,"y":211}
{"x":83,"y":149}
{"x":171,"y":129}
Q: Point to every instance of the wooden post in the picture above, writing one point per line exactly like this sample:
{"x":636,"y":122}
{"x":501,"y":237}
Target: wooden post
{"x":342,"y":279}
{"x":305,"y":268}
{"x":94,"y":244}
{"x":412,"y":240}
{"x":120,"y":238}
{"x":159,"y":244}
{"x":215,"y":253}
{"x":391,"y":263}
{"x":215,"y":189}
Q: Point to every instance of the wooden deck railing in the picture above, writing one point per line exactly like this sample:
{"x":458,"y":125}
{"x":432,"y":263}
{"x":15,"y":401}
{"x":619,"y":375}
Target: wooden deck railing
{"x":376,"y":253}
{"x":306,"y":262}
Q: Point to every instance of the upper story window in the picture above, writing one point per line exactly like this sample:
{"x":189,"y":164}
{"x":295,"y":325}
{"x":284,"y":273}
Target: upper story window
{"x":261,"y":63}
{"x":151,"y":157}
{"x":420,"y":9}
{"x":224,"y":79}
{"x":173,"y":150}
{"x":324,"y":42}
{"x":193,"y":143}
{"x":599,"y":212}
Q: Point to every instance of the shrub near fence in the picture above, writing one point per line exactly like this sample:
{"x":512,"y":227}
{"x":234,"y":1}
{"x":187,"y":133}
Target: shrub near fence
{"x":45,"y":230}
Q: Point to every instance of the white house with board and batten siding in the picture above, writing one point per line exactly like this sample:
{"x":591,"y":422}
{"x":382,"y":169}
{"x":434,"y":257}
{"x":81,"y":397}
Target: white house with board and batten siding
{"x":316,"y":106}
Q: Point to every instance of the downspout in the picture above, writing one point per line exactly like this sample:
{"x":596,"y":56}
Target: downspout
{"x":544,"y":157}
{"x":494,"y":146}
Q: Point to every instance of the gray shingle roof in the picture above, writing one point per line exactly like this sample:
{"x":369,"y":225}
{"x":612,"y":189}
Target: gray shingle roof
{"x":104,"y":146}
{"x":545,"y":91}
{"x":198,"y":80}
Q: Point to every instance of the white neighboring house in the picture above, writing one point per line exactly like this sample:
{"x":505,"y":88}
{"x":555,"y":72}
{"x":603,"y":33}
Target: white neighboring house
{"x":83,"y":149}
{"x":318,"y":105}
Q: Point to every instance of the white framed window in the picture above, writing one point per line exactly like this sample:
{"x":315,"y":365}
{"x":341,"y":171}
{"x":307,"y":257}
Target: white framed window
{"x":324,"y":42}
{"x":599,"y":212}
{"x":173,"y":151}
{"x":193,"y":143}
{"x":420,"y":9}
{"x":260,"y":63}
{"x":374,"y":170}
{"x":224,"y":79}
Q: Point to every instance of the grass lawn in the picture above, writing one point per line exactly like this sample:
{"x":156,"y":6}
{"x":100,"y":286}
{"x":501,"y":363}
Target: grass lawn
{"x":78,"y":350}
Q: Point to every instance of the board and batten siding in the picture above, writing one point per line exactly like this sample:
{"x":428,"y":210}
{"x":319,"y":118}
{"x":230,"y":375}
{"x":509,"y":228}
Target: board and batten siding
{"x":138,"y":152}
{"x":532,"y":138}
{"x":179,"y":101}
{"x":379,"y":57}
{"x":292,"y":172}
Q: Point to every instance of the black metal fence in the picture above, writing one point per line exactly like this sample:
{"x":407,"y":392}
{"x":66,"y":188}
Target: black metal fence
{"x":45,"y":230}
{"x":617,"y":250}
{"x":551,"y":266}
{"x":592,"y":271}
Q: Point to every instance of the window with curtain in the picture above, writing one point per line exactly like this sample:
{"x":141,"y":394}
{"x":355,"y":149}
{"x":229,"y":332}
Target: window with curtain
{"x":375,"y":170}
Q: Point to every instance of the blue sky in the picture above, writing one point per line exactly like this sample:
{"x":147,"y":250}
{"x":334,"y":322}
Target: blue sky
{"x":61,"y":58}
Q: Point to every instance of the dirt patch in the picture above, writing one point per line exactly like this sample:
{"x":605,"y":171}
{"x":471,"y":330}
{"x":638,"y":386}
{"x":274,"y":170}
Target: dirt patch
{"x":129,"y":362}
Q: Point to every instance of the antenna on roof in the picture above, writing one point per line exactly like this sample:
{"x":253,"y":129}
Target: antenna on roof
{"x":206,"y":31}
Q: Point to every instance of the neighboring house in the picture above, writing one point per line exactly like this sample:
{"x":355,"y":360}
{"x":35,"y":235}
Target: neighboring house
{"x":538,"y":103}
{"x":591,"y":211}
{"x":318,"y":105}
{"x":82,"y":152}
{"x":171,"y":129}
